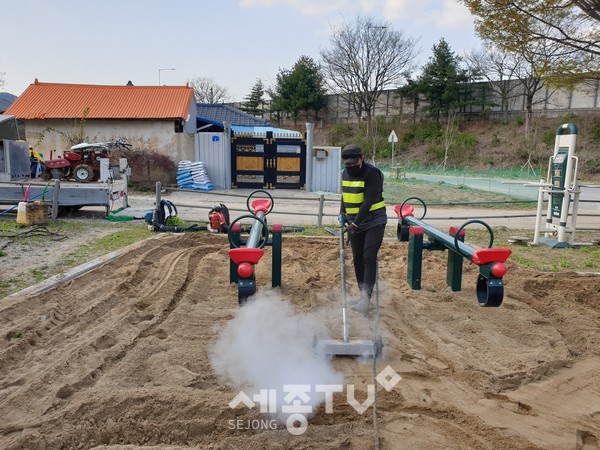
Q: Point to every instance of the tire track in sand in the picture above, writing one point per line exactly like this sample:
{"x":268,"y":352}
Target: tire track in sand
{"x":83,"y":358}
{"x":43,"y":328}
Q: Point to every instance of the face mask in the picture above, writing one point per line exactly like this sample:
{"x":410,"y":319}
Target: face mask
{"x":353,"y":171}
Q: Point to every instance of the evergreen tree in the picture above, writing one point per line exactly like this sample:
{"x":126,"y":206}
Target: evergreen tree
{"x":254,"y":102}
{"x":441,"y":79}
{"x":299,"y":92}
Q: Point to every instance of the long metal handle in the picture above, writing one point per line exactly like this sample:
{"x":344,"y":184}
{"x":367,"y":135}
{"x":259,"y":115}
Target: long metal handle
{"x":255,"y":231}
{"x":343,"y":274}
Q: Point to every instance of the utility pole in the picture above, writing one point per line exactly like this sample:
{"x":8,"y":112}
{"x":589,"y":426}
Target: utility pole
{"x":159,"y":71}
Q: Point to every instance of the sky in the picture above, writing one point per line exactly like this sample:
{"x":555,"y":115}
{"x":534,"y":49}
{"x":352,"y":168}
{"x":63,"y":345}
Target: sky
{"x":232,"y":42}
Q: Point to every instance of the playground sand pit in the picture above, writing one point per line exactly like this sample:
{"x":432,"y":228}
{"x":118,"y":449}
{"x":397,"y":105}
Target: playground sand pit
{"x":150,"y":349}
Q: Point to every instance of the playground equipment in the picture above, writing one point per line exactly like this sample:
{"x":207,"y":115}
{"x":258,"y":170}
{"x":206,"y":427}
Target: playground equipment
{"x":562,"y":186}
{"x":490,"y":287}
{"x":347,"y":347}
{"x":243,"y":259}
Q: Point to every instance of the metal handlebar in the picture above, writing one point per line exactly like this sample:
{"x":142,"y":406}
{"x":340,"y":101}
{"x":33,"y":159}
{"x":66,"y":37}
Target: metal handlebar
{"x":462,"y":227}
{"x":264,"y":230}
{"x":414,"y":198}
{"x":256,"y":192}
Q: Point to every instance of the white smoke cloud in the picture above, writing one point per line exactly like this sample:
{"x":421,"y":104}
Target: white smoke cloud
{"x":268,"y":345}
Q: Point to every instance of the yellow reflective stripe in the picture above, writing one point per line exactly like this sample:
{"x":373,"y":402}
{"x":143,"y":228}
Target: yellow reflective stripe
{"x":353,"y":198}
{"x":353,"y":183}
{"x":352,"y":210}
{"x":379,"y":205}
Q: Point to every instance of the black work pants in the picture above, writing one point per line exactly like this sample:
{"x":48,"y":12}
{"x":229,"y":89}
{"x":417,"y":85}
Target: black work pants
{"x":365,"y":246}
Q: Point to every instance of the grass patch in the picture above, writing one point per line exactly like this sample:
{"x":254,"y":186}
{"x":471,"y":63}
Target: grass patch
{"x":43,"y":240}
{"x":397,"y":190}
{"x":541,"y":257}
{"x":104,"y":245}
{"x":13,"y":284}
{"x":511,"y":173}
{"x":39,"y":274}
{"x":309,"y":230}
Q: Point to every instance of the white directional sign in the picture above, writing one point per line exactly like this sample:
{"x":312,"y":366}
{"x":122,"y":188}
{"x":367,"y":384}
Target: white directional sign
{"x":392,"y":137}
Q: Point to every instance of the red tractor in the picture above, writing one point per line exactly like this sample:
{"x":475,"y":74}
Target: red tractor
{"x":81,"y":162}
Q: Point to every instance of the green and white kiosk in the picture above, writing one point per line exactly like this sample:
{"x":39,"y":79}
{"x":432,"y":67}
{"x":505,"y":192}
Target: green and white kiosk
{"x":562,"y":187}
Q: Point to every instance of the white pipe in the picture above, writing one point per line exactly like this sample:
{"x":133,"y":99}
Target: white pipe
{"x":310,"y":130}
{"x":538,"y":215}
{"x":576,"y":192}
{"x":549,"y":181}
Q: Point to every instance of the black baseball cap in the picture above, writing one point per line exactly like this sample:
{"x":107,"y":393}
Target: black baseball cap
{"x":351,"y":154}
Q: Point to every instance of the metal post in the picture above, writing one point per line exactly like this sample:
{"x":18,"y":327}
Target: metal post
{"x":568,"y":188}
{"x":538,"y":214}
{"x":415,"y":257}
{"x":159,"y":71}
{"x":310,"y":130}
{"x":227,"y":149}
{"x":236,"y":238}
{"x":576,"y":192}
{"x":345,"y":333}
{"x":157,"y":193}
{"x":125,"y":172}
{"x":277,"y":231}
{"x":320,"y":213}
{"x":455,"y":264}
{"x":55,"y":199}
{"x":564,"y":216}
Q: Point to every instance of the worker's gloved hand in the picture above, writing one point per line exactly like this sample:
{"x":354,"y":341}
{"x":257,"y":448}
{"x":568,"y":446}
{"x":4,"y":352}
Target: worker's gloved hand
{"x":351,"y":230}
{"x":342,"y":219}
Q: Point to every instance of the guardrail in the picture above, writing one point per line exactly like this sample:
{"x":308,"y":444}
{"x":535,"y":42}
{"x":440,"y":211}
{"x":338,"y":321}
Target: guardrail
{"x":322,"y":202}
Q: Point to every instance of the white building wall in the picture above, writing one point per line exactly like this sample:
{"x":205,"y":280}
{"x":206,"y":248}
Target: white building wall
{"x":585,"y":97}
{"x":554,"y":99}
{"x":44,"y":135}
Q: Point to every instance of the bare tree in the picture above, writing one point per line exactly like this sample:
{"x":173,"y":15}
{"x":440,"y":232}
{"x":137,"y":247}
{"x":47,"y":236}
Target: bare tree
{"x":589,"y":7}
{"x":2,"y":82}
{"x":537,"y":58}
{"x":499,"y":69}
{"x":207,"y":91}
{"x":365,"y":58}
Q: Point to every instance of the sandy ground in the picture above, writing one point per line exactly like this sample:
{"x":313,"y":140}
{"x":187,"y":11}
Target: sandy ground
{"x":121,"y":356}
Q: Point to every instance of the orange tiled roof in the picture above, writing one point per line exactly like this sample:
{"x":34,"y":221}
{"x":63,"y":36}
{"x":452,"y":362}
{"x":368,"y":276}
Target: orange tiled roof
{"x":69,"y":101}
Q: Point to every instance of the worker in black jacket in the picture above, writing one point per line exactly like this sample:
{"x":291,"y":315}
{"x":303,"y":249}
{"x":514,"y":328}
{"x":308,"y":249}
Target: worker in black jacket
{"x":363,"y":210}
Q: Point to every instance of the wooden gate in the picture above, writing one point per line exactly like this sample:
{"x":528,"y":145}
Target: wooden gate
{"x":265,"y":161}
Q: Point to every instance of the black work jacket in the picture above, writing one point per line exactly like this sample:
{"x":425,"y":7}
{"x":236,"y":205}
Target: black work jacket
{"x":362,"y":197}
